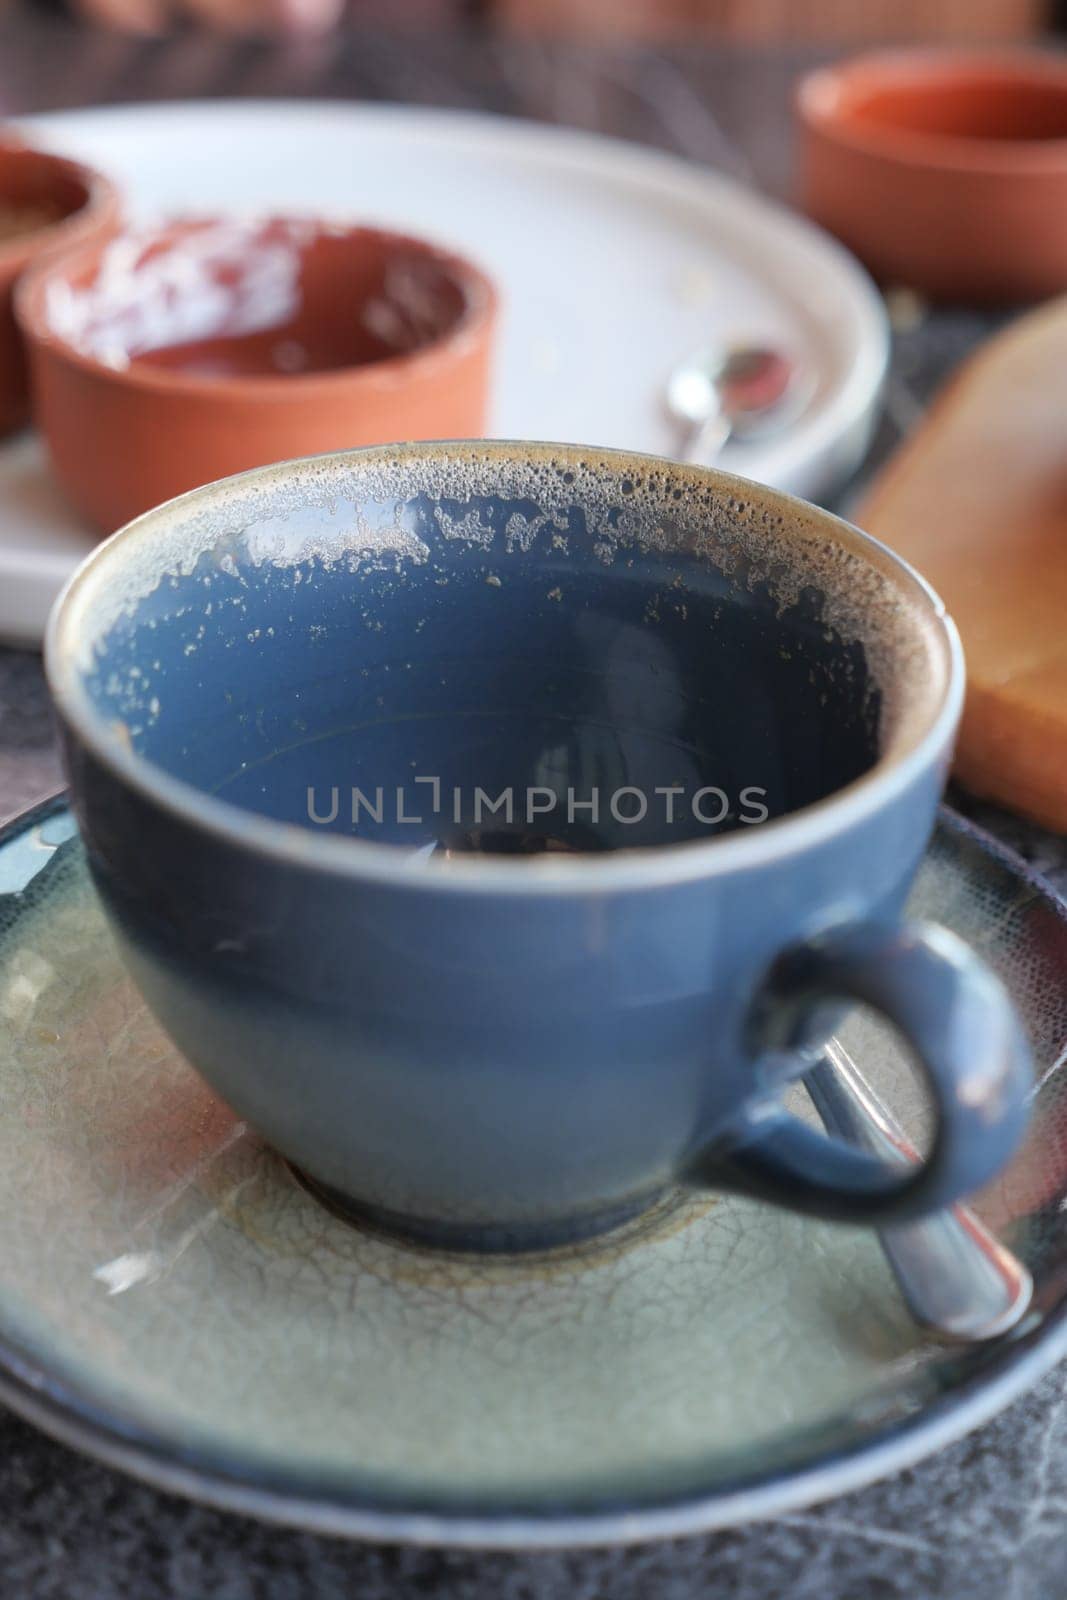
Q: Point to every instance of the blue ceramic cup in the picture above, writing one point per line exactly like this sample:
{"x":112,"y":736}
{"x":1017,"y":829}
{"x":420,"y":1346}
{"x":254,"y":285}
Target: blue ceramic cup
{"x":498,"y":826}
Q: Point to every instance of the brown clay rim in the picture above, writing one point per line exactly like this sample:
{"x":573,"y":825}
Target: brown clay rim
{"x":101,"y":205}
{"x":480,"y":304}
{"x":827,"y":99}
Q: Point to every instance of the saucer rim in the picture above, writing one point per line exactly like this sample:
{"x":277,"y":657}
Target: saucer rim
{"x":38,"y":1393}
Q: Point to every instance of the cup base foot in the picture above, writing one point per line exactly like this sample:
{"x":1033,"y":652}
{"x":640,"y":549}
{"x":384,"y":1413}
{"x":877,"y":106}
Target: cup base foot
{"x":488,"y":1238}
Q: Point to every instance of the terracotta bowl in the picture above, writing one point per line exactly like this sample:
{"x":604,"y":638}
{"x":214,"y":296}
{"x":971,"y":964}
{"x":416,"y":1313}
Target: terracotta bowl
{"x":46,"y":204}
{"x":166,"y":360}
{"x":943,"y":172}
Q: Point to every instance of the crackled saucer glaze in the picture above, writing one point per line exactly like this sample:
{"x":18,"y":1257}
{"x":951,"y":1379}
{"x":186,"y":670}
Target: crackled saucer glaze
{"x":172,"y":1298}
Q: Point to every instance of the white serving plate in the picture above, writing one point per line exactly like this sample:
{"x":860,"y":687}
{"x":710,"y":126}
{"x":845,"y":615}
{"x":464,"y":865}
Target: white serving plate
{"x":614,"y":263}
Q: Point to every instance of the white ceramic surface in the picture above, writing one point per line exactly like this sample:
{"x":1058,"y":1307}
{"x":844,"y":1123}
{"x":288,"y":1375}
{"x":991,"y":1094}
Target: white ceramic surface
{"x":614,"y":262}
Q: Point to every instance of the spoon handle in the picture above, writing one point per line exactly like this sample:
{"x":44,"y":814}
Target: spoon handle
{"x":702,"y":441}
{"x":956,"y":1278}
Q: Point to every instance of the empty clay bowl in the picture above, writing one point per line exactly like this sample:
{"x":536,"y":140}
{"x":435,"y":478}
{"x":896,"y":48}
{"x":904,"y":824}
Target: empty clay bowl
{"x":944,"y":172}
{"x":46,"y":204}
{"x":169,"y":359}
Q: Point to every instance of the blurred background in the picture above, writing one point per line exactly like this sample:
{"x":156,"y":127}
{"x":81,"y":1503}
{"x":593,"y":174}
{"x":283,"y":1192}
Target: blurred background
{"x":754,"y":21}
{"x":776,"y":20}
{"x":60,"y":52}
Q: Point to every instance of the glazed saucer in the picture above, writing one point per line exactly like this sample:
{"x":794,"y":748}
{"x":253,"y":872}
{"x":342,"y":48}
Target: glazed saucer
{"x":174,"y":1301}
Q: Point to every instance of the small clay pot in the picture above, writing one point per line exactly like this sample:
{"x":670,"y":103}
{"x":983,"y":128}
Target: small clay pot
{"x":166,"y":360}
{"x":944,"y":172}
{"x":46,"y":204}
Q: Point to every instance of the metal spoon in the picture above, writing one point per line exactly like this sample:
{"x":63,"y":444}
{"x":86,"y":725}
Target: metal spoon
{"x":955,"y":1277}
{"x":739,"y":393}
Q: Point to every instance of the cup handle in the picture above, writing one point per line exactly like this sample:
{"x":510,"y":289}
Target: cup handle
{"x":957,"y":1016}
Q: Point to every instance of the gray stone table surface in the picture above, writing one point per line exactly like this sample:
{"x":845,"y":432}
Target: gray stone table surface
{"x":983,"y":1520}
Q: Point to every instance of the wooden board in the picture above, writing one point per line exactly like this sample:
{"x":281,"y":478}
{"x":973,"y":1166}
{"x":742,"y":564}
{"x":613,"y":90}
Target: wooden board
{"x":977,"y":500}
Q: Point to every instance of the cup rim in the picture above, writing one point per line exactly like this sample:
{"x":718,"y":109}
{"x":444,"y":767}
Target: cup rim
{"x":479,"y":309}
{"x":370,"y":861}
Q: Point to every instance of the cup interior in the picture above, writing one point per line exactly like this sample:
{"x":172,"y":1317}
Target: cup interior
{"x":384,"y":644}
{"x":978,"y":107}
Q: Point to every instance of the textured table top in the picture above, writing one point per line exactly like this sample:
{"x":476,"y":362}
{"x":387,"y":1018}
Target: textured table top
{"x":983,"y":1520}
